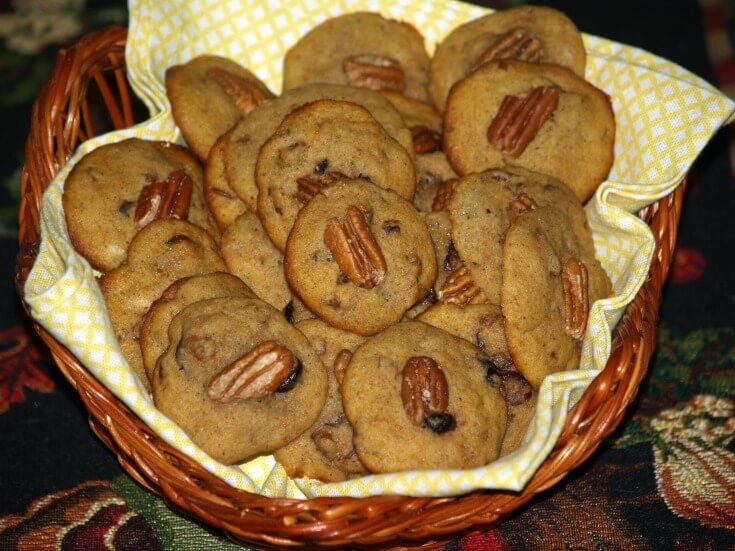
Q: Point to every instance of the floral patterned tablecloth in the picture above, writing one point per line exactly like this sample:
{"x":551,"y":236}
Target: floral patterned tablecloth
{"x":665,"y":480}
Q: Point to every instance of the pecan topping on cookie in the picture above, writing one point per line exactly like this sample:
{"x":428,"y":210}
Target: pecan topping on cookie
{"x":459,"y":289}
{"x":519,"y":205}
{"x":517,"y":43}
{"x":576,"y":298}
{"x":425,"y":394}
{"x":375,"y":72}
{"x":355,"y":250}
{"x":307,"y":187}
{"x":444,"y":194}
{"x":261,"y":371}
{"x":425,"y":140}
{"x":340,"y":364}
{"x":169,"y":198}
{"x":245,"y":95}
{"x":520,"y":118}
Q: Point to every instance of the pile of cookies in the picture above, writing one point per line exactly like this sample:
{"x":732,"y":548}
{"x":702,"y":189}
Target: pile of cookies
{"x":372,"y":271}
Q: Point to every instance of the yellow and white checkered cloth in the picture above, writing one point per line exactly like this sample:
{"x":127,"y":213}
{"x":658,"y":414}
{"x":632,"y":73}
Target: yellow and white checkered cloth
{"x":665,"y":116}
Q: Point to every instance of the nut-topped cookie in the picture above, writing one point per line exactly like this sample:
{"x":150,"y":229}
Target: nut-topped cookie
{"x":244,"y":141}
{"x":208,"y":95}
{"x":361,"y":49}
{"x":324,"y":451}
{"x":420,"y":398}
{"x":550,"y":280}
{"x":483,"y":206}
{"x":359,"y":256}
{"x":161,"y":253}
{"x":537,"y":34}
{"x":538,"y":116}
{"x":317,"y":145}
{"x":238,"y":378}
{"x":116,"y":189}
{"x":187,"y":290}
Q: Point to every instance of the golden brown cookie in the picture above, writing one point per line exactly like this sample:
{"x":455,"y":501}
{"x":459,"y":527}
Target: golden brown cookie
{"x":324,"y":451}
{"x":551,"y":278}
{"x":208,"y":95}
{"x":361,"y":49}
{"x":359,"y":256}
{"x":238,"y":378}
{"x":536,"y":34}
{"x":162,"y":252}
{"x":223,"y":202}
{"x":316,"y":145}
{"x":116,"y":189}
{"x":181,"y":293}
{"x":420,"y":398}
{"x":537,"y":116}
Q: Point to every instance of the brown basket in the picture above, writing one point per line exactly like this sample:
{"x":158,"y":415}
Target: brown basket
{"x":63,"y":116}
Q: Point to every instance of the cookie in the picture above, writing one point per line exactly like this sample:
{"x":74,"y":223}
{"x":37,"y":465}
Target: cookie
{"x":432,"y":171}
{"x":246,"y":138}
{"x":536,"y":34}
{"x":359,"y":256}
{"x":550,"y":279}
{"x":251,"y":256}
{"x":324,"y":451}
{"x":208,"y":95}
{"x":181,"y":293}
{"x":537,"y":116}
{"x":223,"y":202}
{"x":238,"y":378}
{"x":314,"y":146}
{"x":360,"y":49}
{"x":482,"y":207}
{"x":420,"y":398}
{"x":161,"y":253}
{"x":116,"y":189}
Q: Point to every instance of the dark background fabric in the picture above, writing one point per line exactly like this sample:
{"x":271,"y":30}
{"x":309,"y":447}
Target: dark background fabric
{"x":665,"y":480}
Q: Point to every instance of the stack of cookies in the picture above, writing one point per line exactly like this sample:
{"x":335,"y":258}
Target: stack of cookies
{"x":373,"y":271}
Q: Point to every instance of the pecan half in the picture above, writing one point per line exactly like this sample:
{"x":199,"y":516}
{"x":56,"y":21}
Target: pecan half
{"x":576,"y":298}
{"x":459,"y":289}
{"x":519,"y":205}
{"x":520,"y":118}
{"x":424,"y":391}
{"x":425,"y":140}
{"x":518,"y":43}
{"x":246,"y":95}
{"x":375,"y":72}
{"x":260,"y":372}
{"x":169,"y":198}
{"x":307,"y":187}
{"x":444,"y":194}
{"x":355,"y":250}
{"x":340,"y":364}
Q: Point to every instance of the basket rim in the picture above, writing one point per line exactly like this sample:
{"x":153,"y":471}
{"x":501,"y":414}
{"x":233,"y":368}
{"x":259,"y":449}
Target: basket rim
{"x":315,"y":518}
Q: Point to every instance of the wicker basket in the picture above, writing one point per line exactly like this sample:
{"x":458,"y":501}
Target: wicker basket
{"x":63,"y":116}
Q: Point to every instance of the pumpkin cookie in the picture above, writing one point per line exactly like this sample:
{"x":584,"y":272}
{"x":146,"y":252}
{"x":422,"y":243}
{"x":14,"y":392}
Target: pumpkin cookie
{"x":361,"y":49}
{"x":483,"y":206}
{"x":238,"y":378}
{"x":420,"y":398}
{"x":316,"y":145}
{"x":359,"y":256}
{"x":325,"y":451}
{"x":537,"y":116}
{"x":246,"y":138}
{"x":550,"y":280}
{"x":251,"y":256}
{"x":181,"y":293}
{"x":536,"y":34}
{"x":161,"y":253}
{"x":208,"y":95}
{"x":116,"y":189}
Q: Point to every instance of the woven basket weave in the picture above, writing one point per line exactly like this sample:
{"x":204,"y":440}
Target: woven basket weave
{"x":90,"y":74}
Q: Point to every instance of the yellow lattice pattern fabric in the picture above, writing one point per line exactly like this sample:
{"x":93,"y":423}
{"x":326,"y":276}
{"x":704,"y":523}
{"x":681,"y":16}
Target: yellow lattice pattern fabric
{"x":664,"y":114}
